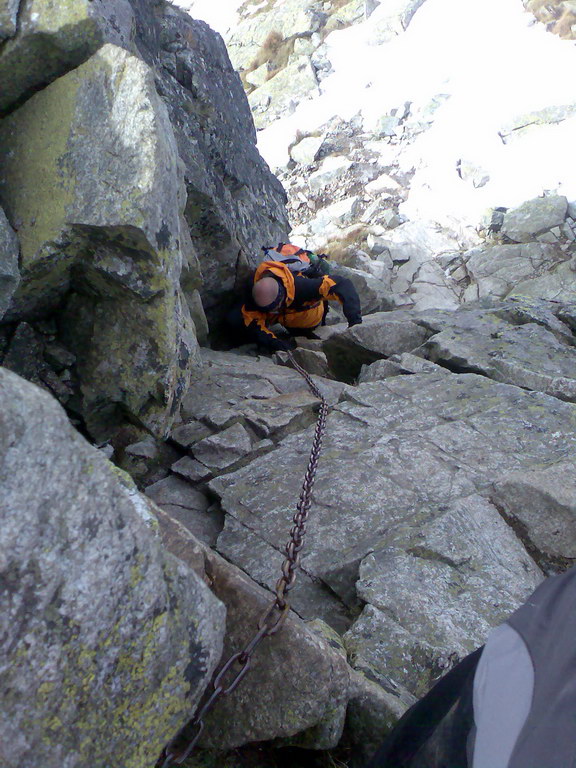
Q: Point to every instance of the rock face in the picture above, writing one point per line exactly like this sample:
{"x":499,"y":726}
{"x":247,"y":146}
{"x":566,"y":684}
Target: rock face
{"x":424,"y":467}
{"x":123,"y":158}
{"x":9,"y":274}
{"x":234,"y":204}
{"x":385,"y":438}
{"x":105,"y":636}
{"x":311,"y":712}
{"x":102,"y":231}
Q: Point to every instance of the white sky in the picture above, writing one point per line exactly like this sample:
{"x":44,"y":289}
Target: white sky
{"x":219,"y":14}
{"x":493,"y":61}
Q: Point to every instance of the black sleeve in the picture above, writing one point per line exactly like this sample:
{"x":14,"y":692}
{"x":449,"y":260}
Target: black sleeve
{"x":307,"y":288}
{"x":333,"y":288}
{"x":344,"y":290}
{"x":257,"y":331}
{"x":417,"y":726}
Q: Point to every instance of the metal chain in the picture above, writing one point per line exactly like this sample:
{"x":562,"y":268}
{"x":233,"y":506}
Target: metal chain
{"x":272,"y":619}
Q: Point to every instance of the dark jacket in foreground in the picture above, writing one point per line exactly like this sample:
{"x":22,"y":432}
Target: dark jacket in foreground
{"x":511,"y":704}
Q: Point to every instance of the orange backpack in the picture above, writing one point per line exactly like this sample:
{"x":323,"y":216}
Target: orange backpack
{"x":298,"y":260}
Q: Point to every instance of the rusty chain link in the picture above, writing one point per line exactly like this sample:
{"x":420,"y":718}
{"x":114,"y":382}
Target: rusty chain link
{"x":272,"y":619}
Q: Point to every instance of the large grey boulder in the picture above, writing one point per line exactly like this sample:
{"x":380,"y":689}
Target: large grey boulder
{"x":122,"y":179}
{"x":9,"y":274}
{"x":108,"y":640}
{"x":311,"y":710}
{"x":534,"y":217}
{"x":380,"y":335}
{"x":526,"y":355}
{"x":235,"y":205}
{"x":501,"y":270}
{"x":522,"y":497}
{"x":105,"y":205}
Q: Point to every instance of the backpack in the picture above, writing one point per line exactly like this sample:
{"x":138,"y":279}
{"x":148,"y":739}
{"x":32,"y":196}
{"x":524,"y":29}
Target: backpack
{"x":298,"y":260}
{"x":510,"y":704}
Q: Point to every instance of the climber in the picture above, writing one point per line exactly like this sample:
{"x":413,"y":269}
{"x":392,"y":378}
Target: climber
{"x":279,"y":293}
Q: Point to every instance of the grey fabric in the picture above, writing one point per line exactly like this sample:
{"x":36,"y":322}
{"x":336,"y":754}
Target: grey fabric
{"x":502,"y":697}
{"x":547,"y":623}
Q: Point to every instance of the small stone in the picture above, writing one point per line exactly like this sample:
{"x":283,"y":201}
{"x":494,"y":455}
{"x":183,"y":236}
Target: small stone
{"x":59,"y":389}
{"x":373,"y":210}
{"x":24,"y":355}
{"x":392,"y":219}
{"x":107,"y":450}
{"x":547,"y":237}
{"x":305,"y":151}
{"x":186,"y":435}
{"x":377,"y":245}
{"x":191,"y":469}
{"x":58,"y":356}
{"x":145,"y":449}
{"x":384,"y":183}
{"x":388,"y":125}
{"x":46,"y":327}
{"x":177,"y":492}
{"x":472,"y":173}
{"x":381,"y":369}
{"x":304,"y":46}
{"x":259,"y":75}
{"x":331,"y":170}
{"x":66,"y":376}
{"x":225,"y":448}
